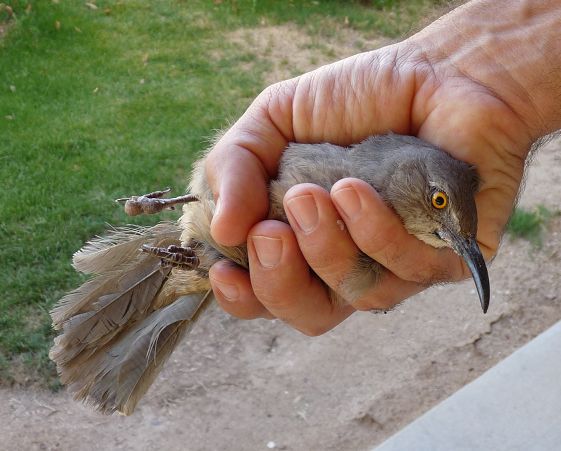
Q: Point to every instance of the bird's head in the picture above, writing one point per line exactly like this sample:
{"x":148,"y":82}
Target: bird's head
{"x":434,"y":195}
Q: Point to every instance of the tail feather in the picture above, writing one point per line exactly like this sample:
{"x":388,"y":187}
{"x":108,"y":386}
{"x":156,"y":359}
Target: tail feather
{"x":129,"y":300}
{"x":116,"y":272}
{"x":119,"y":328}
{"x":79,"y":300}
{"x":115,"y":379}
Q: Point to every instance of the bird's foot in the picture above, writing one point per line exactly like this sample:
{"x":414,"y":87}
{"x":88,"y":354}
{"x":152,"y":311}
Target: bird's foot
{"x":174,"y":256}
{"x":153,"y":203}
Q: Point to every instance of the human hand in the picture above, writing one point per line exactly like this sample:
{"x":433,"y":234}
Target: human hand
{"x":457,"y":84}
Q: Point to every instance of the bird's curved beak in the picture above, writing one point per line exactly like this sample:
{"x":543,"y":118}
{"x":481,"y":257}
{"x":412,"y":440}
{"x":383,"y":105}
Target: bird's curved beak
{"x":468,"y":249}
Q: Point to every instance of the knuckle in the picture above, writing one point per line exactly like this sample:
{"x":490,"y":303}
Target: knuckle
{"x":267,"y":295}
{"x":325,"y":265}
{"x":379,"y":244}
{"x":271,"y":92}
{"x":423,"y":276}
{"x":273,"y":297}
{"x":389,"y":253}
{"x":422,"y":270}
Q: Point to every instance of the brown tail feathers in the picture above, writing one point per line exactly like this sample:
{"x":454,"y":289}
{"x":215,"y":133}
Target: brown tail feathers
{"x":119,"y":327}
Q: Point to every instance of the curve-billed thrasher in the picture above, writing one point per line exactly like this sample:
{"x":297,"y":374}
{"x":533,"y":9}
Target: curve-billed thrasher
{"x":119,"y":327}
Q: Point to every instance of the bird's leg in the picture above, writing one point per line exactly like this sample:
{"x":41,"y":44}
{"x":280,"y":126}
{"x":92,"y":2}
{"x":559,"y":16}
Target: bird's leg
{"x":153,"y":203}
{"x":174,"y":256}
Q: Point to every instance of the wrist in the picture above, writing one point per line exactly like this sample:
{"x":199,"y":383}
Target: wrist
{"x":511,"y":48}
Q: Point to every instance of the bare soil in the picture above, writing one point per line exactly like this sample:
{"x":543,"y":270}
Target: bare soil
{"x":290,"y":51}
{"x":257,"y":385}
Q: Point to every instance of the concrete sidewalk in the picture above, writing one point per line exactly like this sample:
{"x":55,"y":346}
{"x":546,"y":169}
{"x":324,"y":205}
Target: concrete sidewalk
{"x":516,"y":405}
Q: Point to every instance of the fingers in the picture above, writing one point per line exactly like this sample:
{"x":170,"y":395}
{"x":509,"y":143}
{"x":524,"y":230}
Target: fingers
{"x":379,"y":233}
{"x":283,"y":282}
{"x":332,"y":229}
{"x":233,"y":291}
{"x":329,"y":249}
{"x":327,"y":233}
{"x":283,"y":285}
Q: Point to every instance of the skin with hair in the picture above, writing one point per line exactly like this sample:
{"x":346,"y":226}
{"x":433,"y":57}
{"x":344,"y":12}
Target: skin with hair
{"x":481,"y":82}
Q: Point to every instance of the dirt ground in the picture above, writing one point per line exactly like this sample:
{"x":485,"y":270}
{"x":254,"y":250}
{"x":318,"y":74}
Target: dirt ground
{"x":258,"y":385}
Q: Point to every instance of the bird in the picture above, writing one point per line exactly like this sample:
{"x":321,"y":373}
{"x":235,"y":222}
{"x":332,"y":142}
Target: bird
{"x":149,"y":285}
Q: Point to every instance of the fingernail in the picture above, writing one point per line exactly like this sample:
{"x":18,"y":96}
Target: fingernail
{"x":229,"y":292}
{"x":305,"y":211}
{"x":269,"y":250}
{"x":347,"y":199}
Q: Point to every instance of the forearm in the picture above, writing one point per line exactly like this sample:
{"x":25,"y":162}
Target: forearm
{"x":512,"y":47}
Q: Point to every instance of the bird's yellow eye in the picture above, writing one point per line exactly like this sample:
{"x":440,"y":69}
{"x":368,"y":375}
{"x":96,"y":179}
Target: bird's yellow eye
{"x":439,"y":199}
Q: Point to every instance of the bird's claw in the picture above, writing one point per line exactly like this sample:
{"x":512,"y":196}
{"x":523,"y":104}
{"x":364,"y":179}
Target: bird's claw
{"x":174,"y":256}
{"x":153,"y":203}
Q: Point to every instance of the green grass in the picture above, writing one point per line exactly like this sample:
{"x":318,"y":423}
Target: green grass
{"x":392,"y":18}
{"x":96,"y":104}
{"x":529,"y":224}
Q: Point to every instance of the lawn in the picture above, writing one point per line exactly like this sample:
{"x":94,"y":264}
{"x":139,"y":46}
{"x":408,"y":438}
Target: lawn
{"x":103,"y":99}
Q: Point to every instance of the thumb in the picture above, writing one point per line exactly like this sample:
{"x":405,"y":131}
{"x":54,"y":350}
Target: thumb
{"x":239,"y":186}
{"x":242,"y":162}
